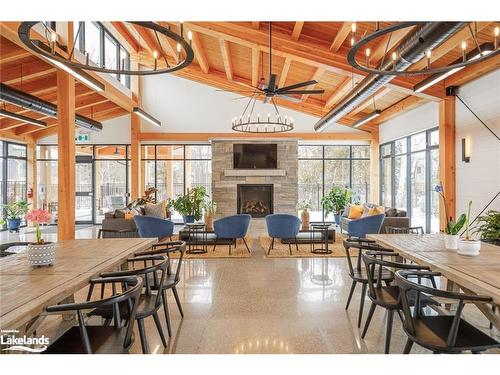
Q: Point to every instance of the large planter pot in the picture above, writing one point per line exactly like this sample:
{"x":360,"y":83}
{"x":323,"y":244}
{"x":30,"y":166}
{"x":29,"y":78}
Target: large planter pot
{"x":42,"y":254}
{"x":209,"y":221}
{"x":304,"y":217}
{"x":469,"y":247}
{"x":336,"y":217}
{"x":451,"y":241}
{"x":13,"y":225}
{"x":188,"y":218}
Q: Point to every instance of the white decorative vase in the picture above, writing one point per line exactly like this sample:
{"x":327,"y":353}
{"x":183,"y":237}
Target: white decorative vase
{"x":42,"y":254}
{"x":451,"y":241}
{"x":469,"y":247}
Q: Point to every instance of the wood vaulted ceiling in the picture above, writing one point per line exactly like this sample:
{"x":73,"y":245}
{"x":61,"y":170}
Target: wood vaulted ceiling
{"x":234,"y":56}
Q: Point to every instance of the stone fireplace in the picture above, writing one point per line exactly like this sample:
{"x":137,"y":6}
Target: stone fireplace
{"x":255,"y":199}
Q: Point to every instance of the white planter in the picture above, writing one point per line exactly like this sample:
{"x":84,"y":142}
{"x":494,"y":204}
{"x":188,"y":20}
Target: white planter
{"x":451,"y":241}
{"x":42,"y":254}
{"x":469,"y":248}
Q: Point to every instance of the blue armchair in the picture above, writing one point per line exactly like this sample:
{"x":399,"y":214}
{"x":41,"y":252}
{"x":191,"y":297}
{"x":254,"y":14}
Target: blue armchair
{"x":232,"y":228}
{"x":365,"y":225}
{"x":282,"y":226}
{"x":150,"y":226}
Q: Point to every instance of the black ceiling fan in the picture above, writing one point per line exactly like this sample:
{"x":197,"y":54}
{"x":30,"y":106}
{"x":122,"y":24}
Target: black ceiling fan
{"x":271,"y":89}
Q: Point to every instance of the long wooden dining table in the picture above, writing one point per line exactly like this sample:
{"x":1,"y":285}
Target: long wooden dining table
{"x":471,"y":274}
{"x":26,"y":291}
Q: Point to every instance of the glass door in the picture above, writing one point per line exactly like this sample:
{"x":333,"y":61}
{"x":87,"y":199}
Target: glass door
{"x":84,"y":205}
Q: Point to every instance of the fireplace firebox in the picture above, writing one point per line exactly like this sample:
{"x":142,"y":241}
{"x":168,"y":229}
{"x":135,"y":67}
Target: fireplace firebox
{"x":255,"y":200}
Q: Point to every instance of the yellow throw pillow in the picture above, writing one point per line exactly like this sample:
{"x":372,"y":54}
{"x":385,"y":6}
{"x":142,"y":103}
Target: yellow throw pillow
{"x":355,"y":211}
{"x":375,"y":211}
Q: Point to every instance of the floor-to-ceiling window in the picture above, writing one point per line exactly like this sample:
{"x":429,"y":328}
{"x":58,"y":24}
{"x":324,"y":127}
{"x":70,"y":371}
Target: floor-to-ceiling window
{"x":322,"y":167}
{"x":172,"y":169}
{"x":46,"y":179}
{"x":13,"y":173}
{"x":409,"y":170}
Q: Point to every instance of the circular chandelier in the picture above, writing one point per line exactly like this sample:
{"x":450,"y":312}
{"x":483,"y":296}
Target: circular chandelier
{"x":46,"y":48}
{"x":389,"y":66}
{"x":247,"y":122}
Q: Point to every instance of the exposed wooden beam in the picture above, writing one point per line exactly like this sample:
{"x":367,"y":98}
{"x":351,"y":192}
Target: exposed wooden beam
{"x":387,"y":43}
{"x":317,"y":77}
{"x":255,"y":67}
{"x":169,"y":44}
{"x":473,"y":71}
{"x":447,"y":169}
{"x":25,"y":72}
{"x":127,"y":35}
{"x":11,"y":52}
{"x":343,"y":89}
{"x":226,"y":58}
{"x":297,"y":29}
{"x":199,"y":53}
{"x":150,"y":39}
{"x":369,"y":102}
{"x":256,"y":25}
{"x":284,"y":72}
{"x":397,"y":109}
{"x":375,"y":168}
{"x":341,"y":36}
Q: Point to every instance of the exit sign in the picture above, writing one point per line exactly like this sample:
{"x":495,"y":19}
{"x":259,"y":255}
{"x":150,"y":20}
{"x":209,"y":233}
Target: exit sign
{"x":82,"y":138}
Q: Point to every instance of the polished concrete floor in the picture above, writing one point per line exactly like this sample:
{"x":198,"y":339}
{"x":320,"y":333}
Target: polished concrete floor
{"x":259,"y":305}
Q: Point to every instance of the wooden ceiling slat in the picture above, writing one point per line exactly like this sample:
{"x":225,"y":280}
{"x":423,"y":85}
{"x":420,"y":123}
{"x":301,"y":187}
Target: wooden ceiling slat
{"x":284,"y":72}
{"x":226,"y":57}
{"x":371,"y":100}
{"x":199,"y":53}
{"x":297,"y":29}
{"x":255,"y":67}
{"x":344,"y":87}
{"x":341,"y":36}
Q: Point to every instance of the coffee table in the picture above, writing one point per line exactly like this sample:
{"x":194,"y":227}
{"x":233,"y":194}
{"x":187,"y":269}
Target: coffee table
{"x":323,"y":229}
{"x":197,"y":238}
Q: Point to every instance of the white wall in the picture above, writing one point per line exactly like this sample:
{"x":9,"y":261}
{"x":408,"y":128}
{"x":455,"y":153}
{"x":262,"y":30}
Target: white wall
{"x":479,"y":180}
{"x":418,"y":119}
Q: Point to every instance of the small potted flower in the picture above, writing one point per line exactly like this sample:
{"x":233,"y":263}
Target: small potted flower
{"x":468,"y":245}
{"x":452,"y":228}
{"x":40,"y":253}
{"x":14,"y":213}
{"x":304,"y":206}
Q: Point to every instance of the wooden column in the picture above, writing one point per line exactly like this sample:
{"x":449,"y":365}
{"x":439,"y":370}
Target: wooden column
{"x":66,"y":156}
{"x":135,"y":130}
{"x":447,"y":171}
{"x":32,"y":173}
{"x":375,"y":168}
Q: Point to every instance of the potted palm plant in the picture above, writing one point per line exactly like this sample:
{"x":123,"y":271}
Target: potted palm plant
{"x":40,"y":253}
{"x":452,"y":228}
{"x":335,"y":201}
{"x":14,"y":213}
{"x":489,"y":227}
{"x":190,"y":205}
{"x":468,"y":245}
{"x":304,"y":206}
{"x":210,"y":208}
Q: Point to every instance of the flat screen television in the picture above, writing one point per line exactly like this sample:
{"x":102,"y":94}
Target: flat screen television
{"x":255,"y":156}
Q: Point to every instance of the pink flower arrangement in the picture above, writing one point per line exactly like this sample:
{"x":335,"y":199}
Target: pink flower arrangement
{"x":38,"y":216}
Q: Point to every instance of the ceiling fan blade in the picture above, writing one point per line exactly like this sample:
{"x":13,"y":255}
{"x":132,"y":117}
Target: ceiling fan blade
{"x":272,"y":82}
{"x":254,"y":91}
{"x":302,"y":92}
{"x":297,"y":85}
{"x":266,"y":99}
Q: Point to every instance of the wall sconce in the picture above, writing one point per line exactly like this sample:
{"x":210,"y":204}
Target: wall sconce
{"x":466,"y":150}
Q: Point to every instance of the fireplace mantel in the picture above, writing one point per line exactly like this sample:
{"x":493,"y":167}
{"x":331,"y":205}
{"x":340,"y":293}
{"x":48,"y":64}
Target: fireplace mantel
{"x":254,"y":172}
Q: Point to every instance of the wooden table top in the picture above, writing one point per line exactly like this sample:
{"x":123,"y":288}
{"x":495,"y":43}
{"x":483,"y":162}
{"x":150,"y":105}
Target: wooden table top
{"x":25,"y":291}
{"x":480,"y":274}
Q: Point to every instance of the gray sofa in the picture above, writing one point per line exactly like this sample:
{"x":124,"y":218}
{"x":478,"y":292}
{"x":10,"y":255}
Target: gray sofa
{"x":115,"y":222}
{"x":393,"y":218}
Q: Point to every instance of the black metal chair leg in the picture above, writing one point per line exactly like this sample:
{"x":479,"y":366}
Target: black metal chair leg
{"x":408,"y":346}
{"x":142,"y":334}
{"x":178,"y":301}
{"x":160,"y":330}
{"x":167,"y":315}
{"x":494,"y":309}
{"x":245,"y":242}
{"x":362,"y":304}
{"x":229,"y":249}
{"x":388,"y":330}
{"x":296,"y":245}
{"x":353,"y":286}
{"x":270,"y":246}
{"x":290,"y":247}
{"x":368,"y":319}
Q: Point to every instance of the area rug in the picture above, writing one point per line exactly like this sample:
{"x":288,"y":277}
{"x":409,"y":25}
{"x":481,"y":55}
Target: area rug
{"x":221,"y":251}
{"x":281,"y":250}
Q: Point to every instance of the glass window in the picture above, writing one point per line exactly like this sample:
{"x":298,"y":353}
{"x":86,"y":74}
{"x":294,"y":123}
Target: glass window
{"x":310,"y":152}
{"x":434,"y":168}
{"x":361,"y":180}
{"x":46,"y":177}
{"x":400,"y":185}
{"x":385,"y":188}
{"x":199,"y":173}
{"x":434,"y":138}
{"x":336,"y":152}
{"x":147,"y":152}
{"x":84,"y":150}
{"x":110,"y":185}
{"x":110,"y":52}
{"x":418,"y":142}
{"x":170,"y":152}
{"x":16,"y":150}
{"x":311,"y":186}
{"x":110,"y":152}
{"x":124,"y":64}
{"x":198,"y":152}
{"x":385,"y":150}
{"x":337,"y":173}
{"x":400,"y":146}
{"x":93,"y":42}
{"x":361,"y":152}
{"x":418,"y":187}
{"x":46,"y":152}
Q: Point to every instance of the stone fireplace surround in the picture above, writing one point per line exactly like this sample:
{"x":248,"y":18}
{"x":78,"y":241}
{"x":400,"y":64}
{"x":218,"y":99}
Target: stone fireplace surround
{"x":284,"y":179}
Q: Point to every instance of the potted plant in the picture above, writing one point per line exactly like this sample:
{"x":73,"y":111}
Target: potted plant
{"x":210,"y":208}
{"x":335,"y":201}
{"x":489,"y":227}
{"x":14,"y":213}
{"x":148,"y":197}
{"x":304,"y":206}
{"x":40,"y":253}
{"x":468,"y":246}
{"x":452,"y":228}
{"x":190,"y":205}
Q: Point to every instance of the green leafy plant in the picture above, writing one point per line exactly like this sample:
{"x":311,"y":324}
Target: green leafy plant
{"x":14,"y":210}
{"x":452,"y":227}
{"x":191,"y":203}
{"x":148,"y":197}
{"x":468,"y":234}
{"x":336,"y":200}
{"x":210,"y":207}
{"x":304,"y":205}
{"x":488,"y":226}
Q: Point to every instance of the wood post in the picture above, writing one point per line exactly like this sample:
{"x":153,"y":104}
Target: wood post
{"x":66,"y":156}
{"x":32,"y":174}
{"x":375,"y":169}
{"x":447,"y":171}
{"x":135,"y":147}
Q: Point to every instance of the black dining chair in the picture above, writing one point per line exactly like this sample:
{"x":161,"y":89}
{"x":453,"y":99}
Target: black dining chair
{"x":357,"y":273}
{"x":173,"y":276}
{"x":440,"y":333}
{"x":387,"y":296}
{"x":89,"y":339}
{"x":154,"y":268}
{"x":401,"y":230}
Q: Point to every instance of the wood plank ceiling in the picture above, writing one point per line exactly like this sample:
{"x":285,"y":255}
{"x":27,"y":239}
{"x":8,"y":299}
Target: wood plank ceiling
{"x":234,"y":56}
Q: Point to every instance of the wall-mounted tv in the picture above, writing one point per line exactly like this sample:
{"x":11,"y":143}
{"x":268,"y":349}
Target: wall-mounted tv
{"x":255,"y":156}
